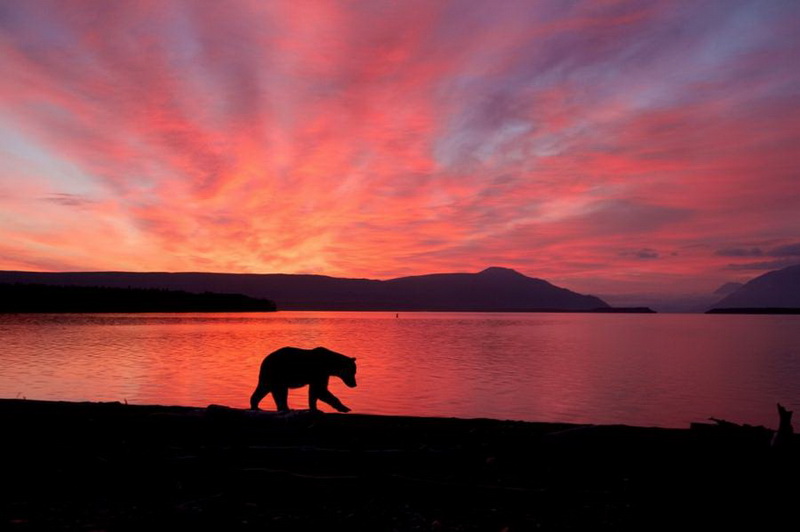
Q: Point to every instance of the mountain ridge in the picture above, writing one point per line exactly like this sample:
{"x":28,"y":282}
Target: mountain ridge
{"x":492,"y":289}
{"x":774,"y":289}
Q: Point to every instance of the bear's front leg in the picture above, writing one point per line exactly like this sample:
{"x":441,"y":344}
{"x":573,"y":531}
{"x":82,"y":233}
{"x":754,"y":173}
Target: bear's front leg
{"x":319,"y":391}
{"x":323,"y":394}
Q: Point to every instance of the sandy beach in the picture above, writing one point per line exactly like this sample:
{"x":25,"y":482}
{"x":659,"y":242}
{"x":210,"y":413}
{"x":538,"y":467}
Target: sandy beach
{"x":112,"y":466}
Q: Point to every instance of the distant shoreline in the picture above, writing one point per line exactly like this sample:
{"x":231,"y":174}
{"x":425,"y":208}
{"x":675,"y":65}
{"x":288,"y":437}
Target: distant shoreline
{"x":755,"y":310}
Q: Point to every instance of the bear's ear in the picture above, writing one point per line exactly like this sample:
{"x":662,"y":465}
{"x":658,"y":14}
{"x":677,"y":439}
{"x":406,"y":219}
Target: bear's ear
{"x":353,"y":359}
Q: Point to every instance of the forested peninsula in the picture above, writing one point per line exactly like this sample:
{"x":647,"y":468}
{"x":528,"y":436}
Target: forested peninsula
{"x":23,"y":298}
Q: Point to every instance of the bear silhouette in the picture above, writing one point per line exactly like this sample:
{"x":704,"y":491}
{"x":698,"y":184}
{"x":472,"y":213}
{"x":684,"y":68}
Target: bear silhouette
{"x":293,"y":367}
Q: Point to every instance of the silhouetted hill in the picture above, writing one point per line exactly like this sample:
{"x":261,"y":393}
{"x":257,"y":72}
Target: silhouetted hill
{"x":494,"y":289}
{"x":776,"y":289}
{"x":54,"y":298}
{"x":727,"y":289}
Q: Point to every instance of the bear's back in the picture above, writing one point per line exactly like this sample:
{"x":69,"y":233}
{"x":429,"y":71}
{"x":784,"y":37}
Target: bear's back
{"x":298,"y":364}
{"x":317,"y":356}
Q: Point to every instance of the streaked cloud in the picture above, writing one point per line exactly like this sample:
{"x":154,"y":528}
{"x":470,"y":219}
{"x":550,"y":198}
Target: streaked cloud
{"x":739,"y":252}
{"x":763,"y":265}
{"x":644,"y":253}
{"x":569,"y":140}
{"x":790,"y":250}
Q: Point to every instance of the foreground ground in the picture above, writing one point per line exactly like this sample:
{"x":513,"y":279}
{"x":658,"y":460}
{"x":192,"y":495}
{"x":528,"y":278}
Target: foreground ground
{"x":109,"y":466}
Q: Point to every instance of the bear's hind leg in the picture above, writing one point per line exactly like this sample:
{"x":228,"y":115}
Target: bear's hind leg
{"x":281,"y":394}
{"x":260,"y":392}
{"x":312,"y":398}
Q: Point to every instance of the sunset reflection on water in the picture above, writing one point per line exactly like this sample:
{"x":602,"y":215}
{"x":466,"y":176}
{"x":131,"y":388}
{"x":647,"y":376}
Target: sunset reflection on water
{"x":662,"y":370}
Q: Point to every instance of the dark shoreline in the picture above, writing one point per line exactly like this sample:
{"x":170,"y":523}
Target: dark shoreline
{"x":111,"y":466}
{"x":755,"y":310}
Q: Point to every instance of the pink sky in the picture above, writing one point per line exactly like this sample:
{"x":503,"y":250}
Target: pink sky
{"x":622,"y":149}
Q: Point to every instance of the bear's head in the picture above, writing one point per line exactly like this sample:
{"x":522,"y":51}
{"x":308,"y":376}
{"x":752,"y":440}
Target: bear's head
{"x":348,"y":372}
{"x":340,"y":365}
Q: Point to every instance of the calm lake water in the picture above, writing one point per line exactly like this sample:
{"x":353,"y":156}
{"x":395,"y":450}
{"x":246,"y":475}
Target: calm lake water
{"x":639,"y":369}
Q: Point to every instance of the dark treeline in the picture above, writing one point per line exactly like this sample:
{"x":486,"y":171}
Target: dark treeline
{"x":47,"y":298}
{"x":625,"y":310}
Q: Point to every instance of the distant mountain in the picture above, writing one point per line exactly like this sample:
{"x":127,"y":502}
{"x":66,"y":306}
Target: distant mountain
{"x":493,"y":289}
{"x":727,"y":289}
{"x":776,"y":289}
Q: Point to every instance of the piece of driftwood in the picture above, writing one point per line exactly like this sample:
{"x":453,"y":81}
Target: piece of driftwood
{"x":783,"y":436}
{"x":779,"y":440}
